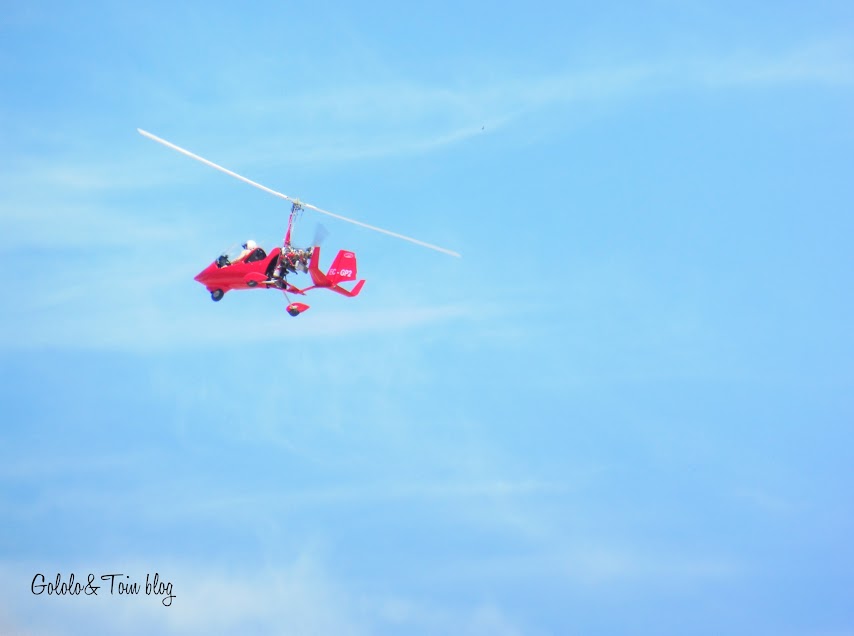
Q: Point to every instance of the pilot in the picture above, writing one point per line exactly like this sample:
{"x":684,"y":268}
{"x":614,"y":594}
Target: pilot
{"x":248,"y":247}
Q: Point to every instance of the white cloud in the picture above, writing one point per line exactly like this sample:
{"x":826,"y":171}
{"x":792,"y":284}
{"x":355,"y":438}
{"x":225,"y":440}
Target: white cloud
{"x":56,"y":225}
{"x":389,"y":118}
{"x":829,"y":62}
{"x":486,"y":619}
{"x":393,"y":118}
{"x":126,"y":326}
{"x":405,"y":118}
{"x":601,"y":564}
{"x":765,"y":501}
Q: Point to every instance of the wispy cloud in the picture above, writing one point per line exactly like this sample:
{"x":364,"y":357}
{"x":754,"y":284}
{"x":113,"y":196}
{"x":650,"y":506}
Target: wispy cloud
{"x":404,"y":118}
{"x":588,"y":563}
{"x":459,"y":491}
{"x":765,"y":501}
{"x":137,"y":326}
{"x":391,"y":118}
{"x":55,"y":224}
{"x":829,"y":63}
{"x":195,"y":507}
{"x":607,"y":564}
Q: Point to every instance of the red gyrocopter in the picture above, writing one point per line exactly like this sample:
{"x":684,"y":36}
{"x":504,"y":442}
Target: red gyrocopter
{"x":253,"y":268}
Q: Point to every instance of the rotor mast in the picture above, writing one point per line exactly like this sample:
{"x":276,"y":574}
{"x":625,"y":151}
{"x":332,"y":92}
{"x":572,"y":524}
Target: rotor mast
{"x":296,"y":208}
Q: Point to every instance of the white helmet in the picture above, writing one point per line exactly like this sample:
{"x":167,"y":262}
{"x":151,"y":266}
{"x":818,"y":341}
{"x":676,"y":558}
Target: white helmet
{"x":250,"y":245}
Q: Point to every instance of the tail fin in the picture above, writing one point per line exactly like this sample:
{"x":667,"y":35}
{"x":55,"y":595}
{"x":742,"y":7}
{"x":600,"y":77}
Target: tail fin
{"x":351,"y":293}
{"x":343,"y":268}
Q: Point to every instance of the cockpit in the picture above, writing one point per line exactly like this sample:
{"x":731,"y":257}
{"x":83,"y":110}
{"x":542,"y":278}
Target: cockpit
{"x":237,"y":253}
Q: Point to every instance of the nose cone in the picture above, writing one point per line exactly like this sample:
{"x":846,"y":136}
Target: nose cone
{"x":206,"y":274}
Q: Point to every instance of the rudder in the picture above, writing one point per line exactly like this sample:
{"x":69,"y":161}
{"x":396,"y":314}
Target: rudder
{"x":343,"y":268}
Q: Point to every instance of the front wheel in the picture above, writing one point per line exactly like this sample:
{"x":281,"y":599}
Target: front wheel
{"x":216,"y":295}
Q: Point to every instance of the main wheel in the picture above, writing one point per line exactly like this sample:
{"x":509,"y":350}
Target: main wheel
{"x":251,"y":283}
{"x":216,"y":295}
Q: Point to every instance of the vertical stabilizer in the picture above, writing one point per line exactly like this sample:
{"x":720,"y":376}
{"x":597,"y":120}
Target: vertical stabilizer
{"x":343,"y":268}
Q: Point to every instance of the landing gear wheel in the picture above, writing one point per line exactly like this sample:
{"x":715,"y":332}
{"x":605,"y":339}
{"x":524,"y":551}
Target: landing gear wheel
{"x":295,"y":309}
{"x":251,"y":283}
{"x":216,"y":295}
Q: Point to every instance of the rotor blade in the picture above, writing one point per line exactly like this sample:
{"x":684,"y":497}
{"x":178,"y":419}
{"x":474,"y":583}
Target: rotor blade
{"x":292,"y":200}
{"x":214,"y":165}
{"x":379,"y":229}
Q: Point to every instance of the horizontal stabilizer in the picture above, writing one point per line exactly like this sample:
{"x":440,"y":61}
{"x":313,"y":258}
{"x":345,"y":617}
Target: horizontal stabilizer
{"x":345,"y":292}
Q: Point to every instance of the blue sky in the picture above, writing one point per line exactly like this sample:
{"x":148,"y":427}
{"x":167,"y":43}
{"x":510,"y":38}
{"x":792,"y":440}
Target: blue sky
{"x":626,"y":409}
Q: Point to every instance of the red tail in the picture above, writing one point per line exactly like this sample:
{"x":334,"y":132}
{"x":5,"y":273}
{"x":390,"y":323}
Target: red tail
{"x":343,"y":268}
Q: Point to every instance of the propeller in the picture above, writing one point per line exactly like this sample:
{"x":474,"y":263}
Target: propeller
{"x":291,"y":199}
{"x":320,"y":234}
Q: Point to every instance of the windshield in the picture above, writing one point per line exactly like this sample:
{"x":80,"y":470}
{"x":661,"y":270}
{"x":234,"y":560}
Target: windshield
{"x":229,"y":255}
{"x":233,"y":252}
